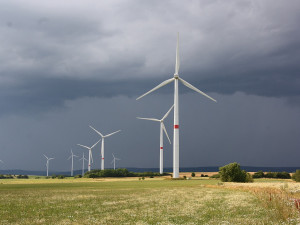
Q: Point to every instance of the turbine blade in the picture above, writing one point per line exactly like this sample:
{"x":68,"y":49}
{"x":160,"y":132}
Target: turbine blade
{"x":195,"y":89}
{"x":45,"y":156}
{"x":75,"y":156}
{"x":112,"y":133}
{"x":165,"y":116}
{"x":84,"y":146}
{"x":117,"y":159}
{"x":157,"y":87}
{"x":50,"y":158}
{"x":96,"y":131}
{"x":113,"y":155}
{"x":69,"y":157}
{"x":95,"y":144}
{"x":153,"y":119}
{"x":164,"y":128}
{"x":177,"y":56}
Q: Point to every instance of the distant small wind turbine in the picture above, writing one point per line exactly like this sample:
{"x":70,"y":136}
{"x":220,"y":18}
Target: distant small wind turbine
{"x":114,"y":160}
{"x":90,"y":153}
{"x":47,"y":164}
{"x":176,"y":108}
{"x":83,"y":158}
{"x":71,"y":157}
{"x":102,"y":144}
{"x":162,"y":129}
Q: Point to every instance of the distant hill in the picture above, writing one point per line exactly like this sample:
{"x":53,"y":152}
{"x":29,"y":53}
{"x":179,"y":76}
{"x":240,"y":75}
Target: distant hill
{"x":133,"y":169}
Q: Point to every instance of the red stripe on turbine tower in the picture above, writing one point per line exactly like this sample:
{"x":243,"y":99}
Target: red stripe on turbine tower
{"x":102,"y":158}
{"x":161,"y":147}
{"x":176,"y":126}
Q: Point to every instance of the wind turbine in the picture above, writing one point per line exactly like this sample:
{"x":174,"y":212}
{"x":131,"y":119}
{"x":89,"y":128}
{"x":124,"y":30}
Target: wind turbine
{"x":102,"y":144}
{"x":162,"y":128}
{"x":114,"y":160}
{"x":83,"y":158}
{"x":176,"y":108}
{"x":47,"y":164}
{"x":90,"y":153}
{"x":71,"y":157}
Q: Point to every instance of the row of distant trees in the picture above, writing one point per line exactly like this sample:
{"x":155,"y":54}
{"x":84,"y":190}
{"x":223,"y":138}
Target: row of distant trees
{"x":278,"y":175}
{"x":228,"y":173}
{"x":233,"y":173}
{"x":121,"y":172}
{"x":9,"y":176}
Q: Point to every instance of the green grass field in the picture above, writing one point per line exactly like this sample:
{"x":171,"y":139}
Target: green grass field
{"x":131,"y":201}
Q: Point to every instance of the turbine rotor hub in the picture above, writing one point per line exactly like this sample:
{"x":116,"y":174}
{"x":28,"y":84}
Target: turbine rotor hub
{"x":176,"y":76}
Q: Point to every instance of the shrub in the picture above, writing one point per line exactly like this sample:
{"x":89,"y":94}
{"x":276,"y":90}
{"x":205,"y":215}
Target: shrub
{"x":280,"y":175}
{"x":22,"y":177}
{"x":202,"y":175}
{"x":233,"y":173}
{"x":184,"y":177}
{"x":193,"y":174}
{"x":259,"y":174}
{"x":296,"y":176}
{"x":215,"y":176}
{"x":249,"y":178}
{"x":6,"y":176}
{"x":283,"y":175}
{"x":60,"y":177}
{"x":78,"y":176}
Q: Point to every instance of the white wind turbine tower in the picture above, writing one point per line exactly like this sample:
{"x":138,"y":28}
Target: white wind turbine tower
{"x":162,"y":129}
{"x":71,"y":157}
{"x":47,"y":164}
{"x":114,"y":160}
{"x":102,"y":144}
{"x":83,"y":158}
{"x":1,"y":161}
{"x":90,"y":153}
{"x":176,"y":108}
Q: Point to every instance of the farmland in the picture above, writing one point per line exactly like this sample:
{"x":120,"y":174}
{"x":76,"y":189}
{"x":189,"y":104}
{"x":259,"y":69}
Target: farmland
{"x":149,"y":201}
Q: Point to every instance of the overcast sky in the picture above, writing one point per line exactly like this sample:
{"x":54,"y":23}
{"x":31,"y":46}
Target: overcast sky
{"x":65,"y":65}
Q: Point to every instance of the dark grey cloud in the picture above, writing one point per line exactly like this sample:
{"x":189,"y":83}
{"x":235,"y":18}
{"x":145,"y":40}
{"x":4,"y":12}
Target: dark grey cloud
{"x":64,"y":66}
{"x":50,"y":55}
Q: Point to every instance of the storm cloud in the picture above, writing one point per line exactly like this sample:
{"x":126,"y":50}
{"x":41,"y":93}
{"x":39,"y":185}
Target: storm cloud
{"x":54,"y":56}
